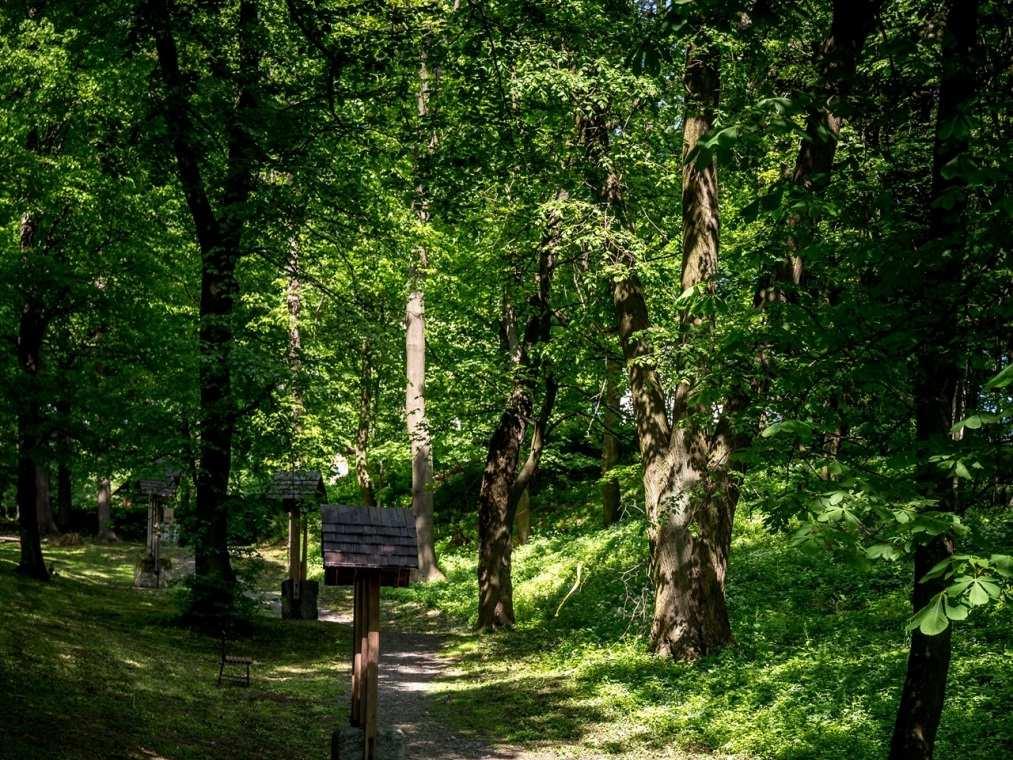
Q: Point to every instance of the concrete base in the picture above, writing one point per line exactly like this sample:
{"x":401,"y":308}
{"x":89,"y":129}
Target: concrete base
{"x":146,"y":577}
{"x":346,"y":744}
{"x":305,"y":606}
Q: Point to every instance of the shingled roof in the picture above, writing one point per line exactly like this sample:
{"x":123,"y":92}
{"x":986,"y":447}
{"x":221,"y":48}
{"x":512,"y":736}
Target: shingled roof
{"x":368,"y":538}
{"x":163,"y":487}
{"x":297,"y":485}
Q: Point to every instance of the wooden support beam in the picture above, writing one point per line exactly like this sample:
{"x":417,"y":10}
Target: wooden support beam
{"x":294,"y":552}
{"x":372,"y":664}
{"x":355,"y":715}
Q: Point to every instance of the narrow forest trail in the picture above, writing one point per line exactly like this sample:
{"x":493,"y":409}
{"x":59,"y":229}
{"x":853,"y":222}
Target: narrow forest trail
{"x":413,"y":665}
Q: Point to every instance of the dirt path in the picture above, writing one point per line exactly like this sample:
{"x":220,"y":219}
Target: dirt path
{"x":411,"y":665}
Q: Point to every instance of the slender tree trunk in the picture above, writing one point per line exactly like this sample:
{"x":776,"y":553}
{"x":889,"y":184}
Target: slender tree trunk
{"x":361,"y":449}
{"x":64,"y":482}
{"x":938,"y":379}
{"x":495,"y":588}
{"x":838,"y":59}
{"x":44,"y":501}
{"x":31,"y":333}
{"x":419,"y":435}
{"x":104,"y":503}
{"x":500,"y":491}
{"x":610,"y":494}
{"x":520,"y":493}
{"x":689,"y":499}
{"x":220,"y":239}
{"x":64,"y":497}
{"x":522,"y":519}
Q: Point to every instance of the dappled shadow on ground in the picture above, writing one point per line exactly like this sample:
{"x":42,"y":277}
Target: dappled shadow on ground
{"x":814,"y":673}
{"x":91,"y":668}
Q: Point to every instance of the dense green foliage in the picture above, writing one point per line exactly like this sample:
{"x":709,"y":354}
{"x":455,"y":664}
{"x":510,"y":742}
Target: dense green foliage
{"x":213,"y":216}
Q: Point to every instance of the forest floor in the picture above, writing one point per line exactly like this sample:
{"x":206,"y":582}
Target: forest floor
{"x":92,"y":668}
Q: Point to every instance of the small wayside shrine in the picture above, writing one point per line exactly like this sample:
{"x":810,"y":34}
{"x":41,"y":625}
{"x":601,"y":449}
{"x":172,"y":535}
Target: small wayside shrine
{"x":298,"y":490}
{"x":366,"y":548}
{"x":158,"y":492}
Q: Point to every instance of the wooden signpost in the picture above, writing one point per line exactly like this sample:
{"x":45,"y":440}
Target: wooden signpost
{"x":294,"y":489}
{"x":366,"y":548}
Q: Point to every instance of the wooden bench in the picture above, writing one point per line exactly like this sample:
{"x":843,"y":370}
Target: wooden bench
{"x":226,"y":659}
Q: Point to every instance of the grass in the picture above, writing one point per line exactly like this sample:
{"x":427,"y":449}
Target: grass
{"x":91,"y":668}
{"x":815,"y":671}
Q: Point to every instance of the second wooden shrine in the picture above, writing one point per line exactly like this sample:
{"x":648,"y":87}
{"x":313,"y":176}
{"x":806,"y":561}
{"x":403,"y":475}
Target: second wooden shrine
{"x":298,"y":490}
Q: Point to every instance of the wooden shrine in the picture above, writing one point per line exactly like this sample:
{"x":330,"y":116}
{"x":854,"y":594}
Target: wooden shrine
{"x":151,"y":572}
{"x":366,"y":548}
{"x":295,"y":490}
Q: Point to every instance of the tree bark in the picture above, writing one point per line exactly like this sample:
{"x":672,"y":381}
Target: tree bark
{"x":838,"y":58}
{"x":219,"y":238}
{"x":690,"y":498}
{"x":361,"y":449}
{"x":495,"y":588}
{"x":937,"y":379}
{"x":104,"y":503}
{"x":610,"y":494}
{"x":499,"y":491}
{"x":419,"y":434}
{"x":31,"y":333}
{"x":64,"y":482}
{"x":44,"y":501}
{"x":64,"y":497}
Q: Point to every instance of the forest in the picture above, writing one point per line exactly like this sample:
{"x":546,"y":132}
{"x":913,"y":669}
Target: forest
{"x":681,"y":332}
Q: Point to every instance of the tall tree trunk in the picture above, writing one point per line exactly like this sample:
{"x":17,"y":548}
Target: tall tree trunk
{"x":522,"y":519}
{"x":499,"y":492}
{"x":610,"y":494}
{"x":938,"y":378}
{"x":419,"y":435}
{"x":520,"y":493}
{"x":838,"y":59}
{"x":689,"y":497}
{"x":104,"y":502}
{"x":220,"y":240}
{"x":361,"y":449}
{"x":44,"y":501}
{"x":31,"y":333}
{"x":64,"y":497}
{"x":495,"y":588}
{"x":64,"y":483}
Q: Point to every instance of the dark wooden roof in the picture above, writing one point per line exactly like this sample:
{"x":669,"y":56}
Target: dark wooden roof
{"x":163,"y":487}
{"x":297,"y":485}
{"x":368,"y":537}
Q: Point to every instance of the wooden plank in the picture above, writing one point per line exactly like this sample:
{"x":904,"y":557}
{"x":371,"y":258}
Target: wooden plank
{"x":355,"y":715}
{"x":372,"y":665}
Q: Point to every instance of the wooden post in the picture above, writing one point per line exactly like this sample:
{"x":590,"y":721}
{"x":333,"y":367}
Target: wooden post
{"x":355,"y":716}
{"x":305,"y":548}
{"x":294,"y":554}
{"x":156,"y":528}
{"x":372,"y":664}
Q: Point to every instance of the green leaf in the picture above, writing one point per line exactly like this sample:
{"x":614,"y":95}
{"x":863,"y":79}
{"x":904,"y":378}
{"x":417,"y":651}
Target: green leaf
{"x":882,"y":551}
{"x":961,"y":471}
{"x":937,"y":570}
{"x":1002,"y":564}
{"x":796,"y":427}
{"x":955,"y":611}
{"x":1001,"y":380}
{"x":931,"y":619}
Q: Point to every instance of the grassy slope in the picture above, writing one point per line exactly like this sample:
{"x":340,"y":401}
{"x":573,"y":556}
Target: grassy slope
{"x":90,"y":668}
{"x":815,"y":672}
